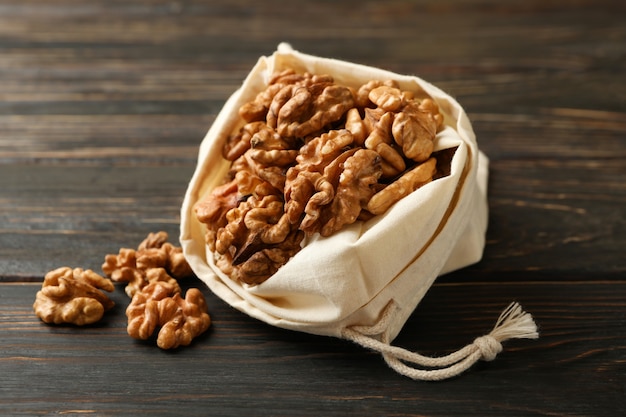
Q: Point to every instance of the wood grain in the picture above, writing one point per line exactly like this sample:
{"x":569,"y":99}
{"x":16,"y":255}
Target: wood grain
{"x":103,"y":105}
{"x":242,"y":366}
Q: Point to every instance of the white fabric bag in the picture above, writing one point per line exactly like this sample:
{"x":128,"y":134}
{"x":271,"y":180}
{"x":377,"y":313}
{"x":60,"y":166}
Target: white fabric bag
{"x":363,"y":282}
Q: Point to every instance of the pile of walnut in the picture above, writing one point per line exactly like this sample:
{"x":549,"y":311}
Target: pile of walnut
{"x":312,"y":157}
{"x":151,"y":276}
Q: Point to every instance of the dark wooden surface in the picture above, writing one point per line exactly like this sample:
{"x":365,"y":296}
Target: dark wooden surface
{"x":104,"y":103}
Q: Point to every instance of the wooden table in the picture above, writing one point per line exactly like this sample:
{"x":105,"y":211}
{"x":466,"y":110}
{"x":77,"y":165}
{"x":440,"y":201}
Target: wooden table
{"x":103,"y":105}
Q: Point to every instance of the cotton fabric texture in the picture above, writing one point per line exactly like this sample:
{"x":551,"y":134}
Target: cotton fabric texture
{"x":349,"y":280}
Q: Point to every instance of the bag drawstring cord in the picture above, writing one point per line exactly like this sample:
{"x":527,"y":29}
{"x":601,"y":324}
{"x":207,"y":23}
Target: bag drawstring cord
{"x":513,"y":323}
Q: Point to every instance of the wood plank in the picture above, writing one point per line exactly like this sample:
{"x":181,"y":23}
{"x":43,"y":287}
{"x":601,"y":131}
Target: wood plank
{"x":55,"y":216}
{"x":102,"y":140}
{"x":245,"y":366}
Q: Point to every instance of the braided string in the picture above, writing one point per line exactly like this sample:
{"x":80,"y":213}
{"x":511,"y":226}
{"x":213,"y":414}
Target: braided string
{"x":513,"y":323}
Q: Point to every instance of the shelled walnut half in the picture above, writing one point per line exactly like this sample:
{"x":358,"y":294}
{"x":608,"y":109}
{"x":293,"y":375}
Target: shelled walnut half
{"x":73,"y":296}
{"x":155,"y":259}
{"x":160,"y":304}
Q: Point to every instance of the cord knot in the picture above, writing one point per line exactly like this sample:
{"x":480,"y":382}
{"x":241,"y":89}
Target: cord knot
{"x":489,"y":347}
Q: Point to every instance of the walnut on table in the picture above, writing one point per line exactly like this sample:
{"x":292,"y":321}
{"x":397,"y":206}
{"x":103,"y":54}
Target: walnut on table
{"x":73,"y":296}
{"x":160,"y":304}
{"x":154,"y":260}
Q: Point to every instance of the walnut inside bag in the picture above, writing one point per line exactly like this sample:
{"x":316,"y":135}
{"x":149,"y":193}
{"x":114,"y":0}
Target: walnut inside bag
{"x":313,"y":157}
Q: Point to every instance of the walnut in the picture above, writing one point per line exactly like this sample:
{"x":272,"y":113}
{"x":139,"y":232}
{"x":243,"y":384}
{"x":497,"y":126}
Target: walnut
{"x":403,"y":186}
{"x":154,"y":252}
{"x":287,"y":76}
{"x":168,"y":257}
{"x":297,"y":111}
{"x":319,"y":152}
{"x":326,"y":187}
{"x":212,"y":210}
{"x":389,"y":99}
{"x":134,"y":279}
{"x":360,"y":174}
{"x":333,"y":198}
{"x":234,"y":233}
{"x":153,"y":240}
{"x":272,"y":174}
{"x":268,"y":220}
{"x":269,"y":139}
{"x":415,"y":127}
{"x":414,"y":122}
{"x":73,"y":296}
{"x":260,"y":217}
{"x":362,"y":97}
{"x":246,"y":184}
{"x":380,"y":140}
{"x":160,"y":304}
{"x":256,"y":110}
{"x":120,"y":267}
{"x":305,"y":192}
{"x":142,"y":278}
{"x":239,"y":143}
{"x":269,"y":148}
{"x":266,"y":259}
{"x":257,"y":224}
{"x":374,"y":132}
{"x":312,"y":182}
{"x":355,"y":125}
{"x":176,"y":265}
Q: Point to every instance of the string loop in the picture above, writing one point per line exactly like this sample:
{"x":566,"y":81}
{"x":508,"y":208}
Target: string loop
{"x":513,"y":323}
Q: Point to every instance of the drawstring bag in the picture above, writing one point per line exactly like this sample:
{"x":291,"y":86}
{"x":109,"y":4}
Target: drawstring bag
{"x":363,"y":282}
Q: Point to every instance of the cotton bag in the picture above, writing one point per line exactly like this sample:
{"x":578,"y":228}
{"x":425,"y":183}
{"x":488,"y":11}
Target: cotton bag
{"x":363,"y":282}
